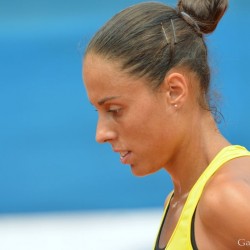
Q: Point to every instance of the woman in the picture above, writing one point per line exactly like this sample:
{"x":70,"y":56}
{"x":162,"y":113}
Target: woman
{"x":147,"y":74}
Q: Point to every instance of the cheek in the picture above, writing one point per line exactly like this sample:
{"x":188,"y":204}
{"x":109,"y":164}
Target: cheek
{"x":139,"y":124}
{"x":152,"y":135}
{"x":147,"y":127}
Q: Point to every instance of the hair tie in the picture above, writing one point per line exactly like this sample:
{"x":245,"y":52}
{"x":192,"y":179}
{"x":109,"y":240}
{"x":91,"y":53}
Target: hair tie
{"x":190,"y":21}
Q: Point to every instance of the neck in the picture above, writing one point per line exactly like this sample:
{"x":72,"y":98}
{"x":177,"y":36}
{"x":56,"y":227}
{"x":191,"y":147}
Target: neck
{"x":194,"y":155}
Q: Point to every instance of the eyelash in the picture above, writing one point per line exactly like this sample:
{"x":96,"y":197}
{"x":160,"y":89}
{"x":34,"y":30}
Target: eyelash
{"x":114,"y":111}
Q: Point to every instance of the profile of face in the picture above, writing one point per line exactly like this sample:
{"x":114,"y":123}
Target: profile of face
{"x":141,"y":124}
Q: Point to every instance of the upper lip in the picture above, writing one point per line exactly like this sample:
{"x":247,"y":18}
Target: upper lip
{"x":121,"y":151}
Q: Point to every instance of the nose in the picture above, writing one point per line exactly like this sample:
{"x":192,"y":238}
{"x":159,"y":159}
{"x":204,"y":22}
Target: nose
{"x":104,"y":131}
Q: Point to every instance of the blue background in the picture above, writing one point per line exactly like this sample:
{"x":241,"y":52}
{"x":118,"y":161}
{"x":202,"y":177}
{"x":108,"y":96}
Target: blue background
{"x":49,"y":160}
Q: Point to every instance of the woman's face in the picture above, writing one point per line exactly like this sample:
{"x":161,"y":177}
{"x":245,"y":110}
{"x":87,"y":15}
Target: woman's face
{"x":137,"y":121}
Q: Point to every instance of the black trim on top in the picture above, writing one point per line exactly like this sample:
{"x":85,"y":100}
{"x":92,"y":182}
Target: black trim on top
{"x":193,"y":242}
{"x":159,"y":234}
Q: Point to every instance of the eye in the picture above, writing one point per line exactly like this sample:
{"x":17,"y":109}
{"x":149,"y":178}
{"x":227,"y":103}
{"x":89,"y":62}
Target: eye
{"x":115,"y":110}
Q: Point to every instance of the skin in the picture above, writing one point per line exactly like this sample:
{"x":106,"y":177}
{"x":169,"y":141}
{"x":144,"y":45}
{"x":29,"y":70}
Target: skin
{"x":167,"y":128}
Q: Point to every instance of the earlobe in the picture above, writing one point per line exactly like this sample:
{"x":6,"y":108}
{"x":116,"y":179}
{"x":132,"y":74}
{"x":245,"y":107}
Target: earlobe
{"x":176,"y":88}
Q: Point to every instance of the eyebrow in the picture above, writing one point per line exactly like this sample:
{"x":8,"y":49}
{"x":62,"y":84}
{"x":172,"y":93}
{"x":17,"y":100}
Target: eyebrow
{"x":108,"y":98}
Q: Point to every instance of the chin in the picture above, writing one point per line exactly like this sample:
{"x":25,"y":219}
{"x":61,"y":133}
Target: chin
{"x":141,"y":171}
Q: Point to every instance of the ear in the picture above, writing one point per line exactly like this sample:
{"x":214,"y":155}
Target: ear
{"x":176,"y":88}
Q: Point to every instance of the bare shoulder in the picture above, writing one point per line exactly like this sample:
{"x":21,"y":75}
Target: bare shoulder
{"x":224,"y":207}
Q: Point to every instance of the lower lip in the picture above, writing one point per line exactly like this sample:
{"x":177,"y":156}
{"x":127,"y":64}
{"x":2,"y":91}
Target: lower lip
{"x":125,"y":159}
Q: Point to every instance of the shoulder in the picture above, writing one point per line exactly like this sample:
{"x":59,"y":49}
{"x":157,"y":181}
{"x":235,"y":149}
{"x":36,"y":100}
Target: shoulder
{"x":224,"y":207}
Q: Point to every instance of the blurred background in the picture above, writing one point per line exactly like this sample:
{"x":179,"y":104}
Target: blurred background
{"x":59,"y":189}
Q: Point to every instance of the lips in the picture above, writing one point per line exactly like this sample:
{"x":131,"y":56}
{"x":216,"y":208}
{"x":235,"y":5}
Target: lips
{"x":124,"y":155}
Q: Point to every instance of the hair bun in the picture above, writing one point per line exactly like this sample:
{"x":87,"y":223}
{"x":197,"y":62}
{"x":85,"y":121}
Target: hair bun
{"x":206,"y":13}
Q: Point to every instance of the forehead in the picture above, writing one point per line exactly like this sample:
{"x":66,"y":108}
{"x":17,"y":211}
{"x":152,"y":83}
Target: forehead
{"x":93,"y":61}
{"x":104,"y":78}
{"x":96,"y":67}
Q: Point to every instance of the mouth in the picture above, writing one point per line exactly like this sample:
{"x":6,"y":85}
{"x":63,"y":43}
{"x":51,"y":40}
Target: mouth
{"x":124,"y":157}
{"x":124,"y":154}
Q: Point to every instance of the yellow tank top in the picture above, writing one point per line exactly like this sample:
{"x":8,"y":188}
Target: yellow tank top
{"x":181,"y":237}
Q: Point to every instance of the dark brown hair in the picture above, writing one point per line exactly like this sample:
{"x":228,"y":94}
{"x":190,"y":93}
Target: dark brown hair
{"x":148,"y":39}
